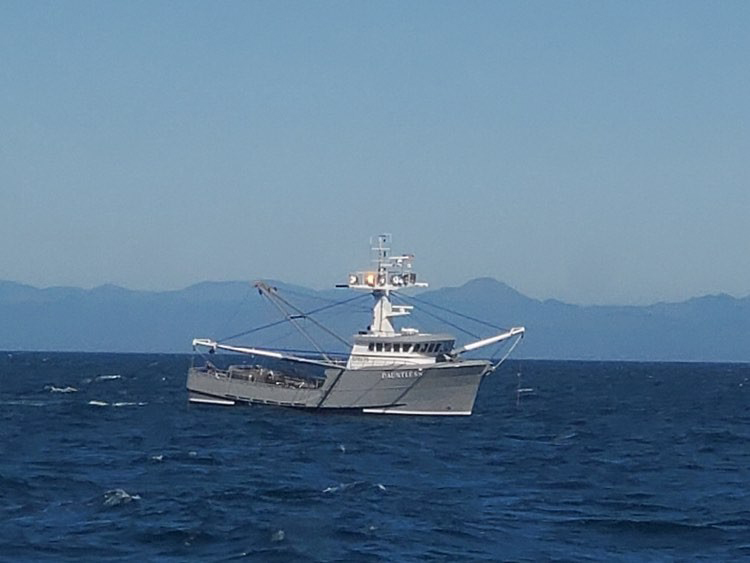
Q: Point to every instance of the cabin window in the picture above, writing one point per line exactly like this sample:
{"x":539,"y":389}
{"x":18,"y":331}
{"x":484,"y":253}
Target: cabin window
{"x":437,"y":346}
{"x":397,"y":347}
{"x":379,"y":346}
{"x":431,"y":349}
{"x":407,"y":347}
{"x":371,"y":346}
{"x":387,"y":346}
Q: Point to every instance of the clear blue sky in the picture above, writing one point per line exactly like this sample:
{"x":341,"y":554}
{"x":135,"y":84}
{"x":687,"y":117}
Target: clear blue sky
{"x":593,"y":152}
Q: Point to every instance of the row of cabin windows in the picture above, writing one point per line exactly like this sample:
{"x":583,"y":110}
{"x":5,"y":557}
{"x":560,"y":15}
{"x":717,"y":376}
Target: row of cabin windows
{"x":425,"y":347}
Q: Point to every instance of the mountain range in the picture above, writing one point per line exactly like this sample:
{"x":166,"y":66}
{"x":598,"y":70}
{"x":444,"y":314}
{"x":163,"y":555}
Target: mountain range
{"x":714,"y":328}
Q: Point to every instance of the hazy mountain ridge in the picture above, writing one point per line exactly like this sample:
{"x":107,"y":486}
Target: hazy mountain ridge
{"x":112,"y":318}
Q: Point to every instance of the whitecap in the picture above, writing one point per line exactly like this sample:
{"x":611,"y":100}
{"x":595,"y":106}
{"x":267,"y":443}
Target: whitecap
{"x":108,"y":377}
{"x":159,"y":457}
{"x":67,"y":389}
{"x":116,"y":497}
{"x":278,"y":536}
{"x":342,"y":447}
{"x":381,"y":487}
{"x":343,"y":486}
{"x":99,"y":403}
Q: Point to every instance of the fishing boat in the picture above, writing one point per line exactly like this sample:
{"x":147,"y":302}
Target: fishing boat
{"x":388,"y":370}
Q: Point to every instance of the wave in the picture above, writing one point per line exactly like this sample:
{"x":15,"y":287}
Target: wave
{"x":564,"y":437}
{"x":23,"y":402}
{"x":118,"y":404}
{"x":172,"y":536}
{"x":354,"y":485}
{"x":99,"y":403}
{"x":108,"y":377}
{"x":67,"y":389}
{"x":649,"y":527}
{"x":720,"y":436}
{"x":117,"y":497}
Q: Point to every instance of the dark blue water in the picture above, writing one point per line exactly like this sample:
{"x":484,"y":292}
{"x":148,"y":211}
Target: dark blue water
{"x":102,"y":459}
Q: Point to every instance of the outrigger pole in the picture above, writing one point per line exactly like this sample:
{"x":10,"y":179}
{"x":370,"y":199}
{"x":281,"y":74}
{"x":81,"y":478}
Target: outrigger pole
{"x":213,"y":346}
{"x":515,"y":331}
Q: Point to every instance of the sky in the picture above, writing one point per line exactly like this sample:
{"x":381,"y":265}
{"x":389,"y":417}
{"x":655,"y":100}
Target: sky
{"x":593,"y":152}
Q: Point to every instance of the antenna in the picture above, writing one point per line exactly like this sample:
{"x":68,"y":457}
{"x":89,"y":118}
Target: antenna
{"x":388,"y":272}
{"x":381,"y":251}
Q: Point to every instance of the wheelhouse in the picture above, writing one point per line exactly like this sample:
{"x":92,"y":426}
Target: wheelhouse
{"x":379,"y":350}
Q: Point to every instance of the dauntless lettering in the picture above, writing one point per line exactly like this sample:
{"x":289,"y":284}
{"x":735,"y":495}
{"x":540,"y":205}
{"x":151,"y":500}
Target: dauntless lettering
{"x":404,"y":374}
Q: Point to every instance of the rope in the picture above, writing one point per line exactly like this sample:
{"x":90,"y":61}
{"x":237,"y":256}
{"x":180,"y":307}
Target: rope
{"x":227,"y":323}
{"x":508,"y":353}
{"x":280,"y":303}
{"x":311,"y":296}
{"x":282,"y":321}
{"x":439,"y":318}
{"x":446,"y":310}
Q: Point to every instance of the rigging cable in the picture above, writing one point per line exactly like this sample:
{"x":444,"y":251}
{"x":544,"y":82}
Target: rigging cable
{"x":279,"y":302}
{"x":437,"y":317}
{"x":507,"y":353}
{"x":227,"y":323}
{"x":282,"y":321}
{"x":467,"y":317}
{"x":445,"y":309}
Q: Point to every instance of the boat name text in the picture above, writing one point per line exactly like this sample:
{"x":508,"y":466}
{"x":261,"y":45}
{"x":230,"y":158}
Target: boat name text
{"x":402,"y":374}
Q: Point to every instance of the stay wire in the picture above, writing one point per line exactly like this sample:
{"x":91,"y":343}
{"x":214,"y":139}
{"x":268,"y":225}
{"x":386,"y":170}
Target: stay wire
{"x":446,"y":310}
{"x":308,"y":295}
{"x":237,"y":309}
{"x":439,"y":318}
{"x":282,"y":321}
{"x":284,"y":306}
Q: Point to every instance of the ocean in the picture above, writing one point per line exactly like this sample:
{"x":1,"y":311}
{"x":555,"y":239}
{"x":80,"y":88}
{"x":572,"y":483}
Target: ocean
{"x":103,"y":459}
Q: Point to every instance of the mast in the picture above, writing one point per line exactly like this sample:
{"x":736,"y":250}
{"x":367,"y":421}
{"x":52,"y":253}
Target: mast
{"x":390,"y":273}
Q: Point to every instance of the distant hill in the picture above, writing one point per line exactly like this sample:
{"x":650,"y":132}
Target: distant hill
{"x":115,"y":319}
